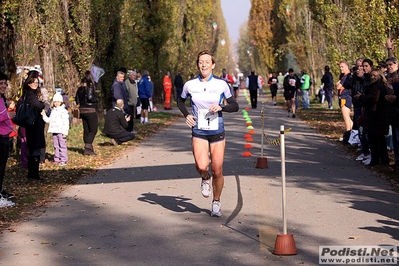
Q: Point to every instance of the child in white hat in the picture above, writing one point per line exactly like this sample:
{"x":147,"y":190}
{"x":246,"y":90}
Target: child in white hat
{"x":58,"y":126}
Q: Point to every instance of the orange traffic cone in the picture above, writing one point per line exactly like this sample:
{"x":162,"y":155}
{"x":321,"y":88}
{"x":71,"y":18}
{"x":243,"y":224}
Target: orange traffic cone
{"x":247,"y":154}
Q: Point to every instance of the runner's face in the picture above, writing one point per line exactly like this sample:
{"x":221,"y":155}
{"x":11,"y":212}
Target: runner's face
{"x":205,"y":65}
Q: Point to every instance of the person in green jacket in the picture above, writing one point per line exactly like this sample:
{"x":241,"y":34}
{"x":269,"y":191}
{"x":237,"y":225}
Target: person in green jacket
{"x":305,"y":86}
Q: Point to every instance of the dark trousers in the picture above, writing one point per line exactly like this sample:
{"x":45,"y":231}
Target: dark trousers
{"x":254,"y":98}
{"x":132,"y":114}
{"x":90,"y":126}
{"x":378,"y":148}
{"x":329,"y":96}
{"x":357,"y":112}
{"x":122,"y":137}
{"x":395,"y":141}
{"x":4,"y":153}
{"x":33,"y":163}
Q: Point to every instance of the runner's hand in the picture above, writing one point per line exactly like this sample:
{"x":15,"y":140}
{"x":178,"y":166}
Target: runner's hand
{"x":214,"y":108}
{"x":191,"y":120}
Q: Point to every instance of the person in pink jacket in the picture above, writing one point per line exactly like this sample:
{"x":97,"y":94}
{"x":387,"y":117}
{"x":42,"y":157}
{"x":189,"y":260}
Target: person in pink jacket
{"x":5,"y":129}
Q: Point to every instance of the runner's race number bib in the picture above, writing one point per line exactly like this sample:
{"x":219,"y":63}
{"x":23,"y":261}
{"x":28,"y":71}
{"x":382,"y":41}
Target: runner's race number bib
{"x":207,"y":120}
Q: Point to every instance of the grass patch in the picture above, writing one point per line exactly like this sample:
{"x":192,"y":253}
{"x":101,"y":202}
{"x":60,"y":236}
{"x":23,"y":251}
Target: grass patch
{"x":30,"y":194}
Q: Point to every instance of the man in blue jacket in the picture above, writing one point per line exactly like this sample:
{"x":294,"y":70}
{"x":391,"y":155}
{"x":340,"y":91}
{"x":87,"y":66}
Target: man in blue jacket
{"x":144,"y":95}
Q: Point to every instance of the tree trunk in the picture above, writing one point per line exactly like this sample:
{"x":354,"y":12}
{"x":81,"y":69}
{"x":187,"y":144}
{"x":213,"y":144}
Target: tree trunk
{"x":46,"y":60}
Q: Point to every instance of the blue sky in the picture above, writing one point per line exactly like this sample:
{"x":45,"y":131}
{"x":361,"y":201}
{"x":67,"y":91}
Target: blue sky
{"x":235,"y":13}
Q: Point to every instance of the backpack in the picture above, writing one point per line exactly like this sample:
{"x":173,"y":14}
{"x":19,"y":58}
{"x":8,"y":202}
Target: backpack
{"x":91,"y":96}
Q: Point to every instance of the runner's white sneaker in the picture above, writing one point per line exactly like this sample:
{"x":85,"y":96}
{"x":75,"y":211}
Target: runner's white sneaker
{"x":5,"y":203}
{"x":216,"y":208}
{"x":205,"y":188}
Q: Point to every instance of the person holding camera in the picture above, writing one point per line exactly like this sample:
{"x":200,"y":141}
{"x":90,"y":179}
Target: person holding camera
{"x":87,"y":101}
{"x":358,"y":85}
{"x":360,"y":80}
{"x":116,"y":122}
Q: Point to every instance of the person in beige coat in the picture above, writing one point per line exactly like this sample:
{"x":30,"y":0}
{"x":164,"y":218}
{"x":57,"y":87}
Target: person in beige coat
{"x":131,"y":85}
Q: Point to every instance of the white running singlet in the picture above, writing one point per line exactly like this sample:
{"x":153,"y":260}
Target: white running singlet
{"x":202,"y":95}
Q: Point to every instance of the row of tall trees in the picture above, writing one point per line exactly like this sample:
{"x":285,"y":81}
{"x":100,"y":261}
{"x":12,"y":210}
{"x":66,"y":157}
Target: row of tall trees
{"x":317,"y":33}
{"x":65,"y":37}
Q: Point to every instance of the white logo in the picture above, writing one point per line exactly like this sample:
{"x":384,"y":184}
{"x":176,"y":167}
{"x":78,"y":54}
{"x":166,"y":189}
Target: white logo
{"x":358,"y":255}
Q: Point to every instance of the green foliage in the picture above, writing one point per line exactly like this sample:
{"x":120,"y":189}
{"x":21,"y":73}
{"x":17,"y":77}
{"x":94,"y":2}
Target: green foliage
{"x":8,"y":18}
{"x":322,"y":32}
{"x":67,"y":36}
{"x":244,"y":52}
{"x":260,"y":33}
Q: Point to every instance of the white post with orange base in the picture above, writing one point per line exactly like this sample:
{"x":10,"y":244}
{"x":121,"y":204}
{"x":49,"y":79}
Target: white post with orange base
{"x":285,"y":244}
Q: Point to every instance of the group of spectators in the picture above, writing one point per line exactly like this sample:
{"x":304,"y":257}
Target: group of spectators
{"x":128,"y":95}
{"x":131,"y":98}
{"x":32,"y":135}
{"x":372,"y":90}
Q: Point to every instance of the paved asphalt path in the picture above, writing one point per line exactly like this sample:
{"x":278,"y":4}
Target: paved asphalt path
{"x":146,"y":208}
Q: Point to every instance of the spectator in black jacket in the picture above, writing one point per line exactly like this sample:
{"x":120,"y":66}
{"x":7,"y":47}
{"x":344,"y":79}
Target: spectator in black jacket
{"x":328,"y":82}
{"x":116,"y":122}
{"x":253,"y":83}
{"x":34,"y":133}
{"x":178,"y":82}
{"x":375,"y":126}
